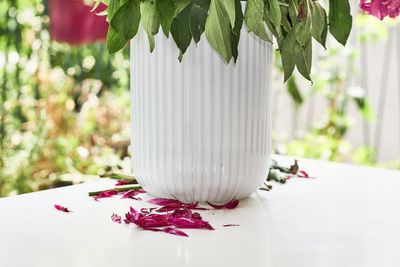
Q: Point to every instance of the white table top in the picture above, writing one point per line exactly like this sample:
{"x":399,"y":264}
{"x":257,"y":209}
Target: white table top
{"x":348,"y":216}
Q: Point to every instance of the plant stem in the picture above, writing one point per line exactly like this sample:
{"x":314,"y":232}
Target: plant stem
{"x":119,"y":189}
{"x":118,"y":176}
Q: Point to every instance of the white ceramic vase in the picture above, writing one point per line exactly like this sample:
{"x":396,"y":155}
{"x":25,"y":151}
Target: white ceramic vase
{"x":200,"y":128}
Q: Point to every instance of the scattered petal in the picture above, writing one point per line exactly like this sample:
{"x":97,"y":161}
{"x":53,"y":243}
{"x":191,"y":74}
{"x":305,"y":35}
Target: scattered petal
{"x":230,"y":205}
{"x":106,"y":194}
{"x":190,"y":223}
{"x":116,"y":218}
{"x":174,"y":231}
{"x":130,"y":194}
{"x":164,"y":201}
{"x":125,"y":182}
{"x":303,"y":174}
{"x":61,"y":208}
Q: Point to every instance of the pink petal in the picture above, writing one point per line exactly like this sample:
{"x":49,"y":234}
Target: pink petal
{"x":190,"y":223}
{"x":303,"y":174}
{"x":61,"y":208}
{"x":130,"y":194}
{"x":229,"y":225}
{"x":116,"y":218}
{"x":230,"y":205}
{"x":164,"y":201}
{"x":106,"y":194}
{"x":174,"y":231}
{"x":122,"y":182}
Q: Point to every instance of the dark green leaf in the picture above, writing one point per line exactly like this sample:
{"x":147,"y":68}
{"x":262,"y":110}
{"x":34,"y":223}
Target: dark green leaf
{"x":115,"y":41}
{"x":303,"y":27}
{"x":340,"y":20}
{"x":127,"y":18}
{"x":254,"y":18}
{"x":180,"y":5}
{"x":218,"y":30}
{"x":319,"y":22}
{"x":180,"y":29}
{"x":166,"y":13}
{"x":198,"y":17}
{"x":303,"y":57}
{"x":288,"y":55}
{"x":236,"y":30}
{"x":274,"y":13}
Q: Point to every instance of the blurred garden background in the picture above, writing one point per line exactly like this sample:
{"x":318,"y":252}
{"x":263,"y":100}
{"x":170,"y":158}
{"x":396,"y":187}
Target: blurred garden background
{"x":64,"y":101}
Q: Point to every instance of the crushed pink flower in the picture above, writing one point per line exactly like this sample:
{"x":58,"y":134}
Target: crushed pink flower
{"x":381,"y":8}
{"x":230,"y":205}
{"x":116,"y":218}
{"x":61,"y":208}
{"x":179,"y":218}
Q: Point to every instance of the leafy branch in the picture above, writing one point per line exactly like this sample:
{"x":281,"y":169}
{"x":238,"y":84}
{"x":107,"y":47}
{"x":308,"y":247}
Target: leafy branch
{"x":293,"y":23}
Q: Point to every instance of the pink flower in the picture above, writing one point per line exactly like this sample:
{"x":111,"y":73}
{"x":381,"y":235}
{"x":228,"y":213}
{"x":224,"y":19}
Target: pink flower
{"x":381,"y":8}
{"x":116,"y":218}
{"x":230,"y":205}
{"x":61,"y":208}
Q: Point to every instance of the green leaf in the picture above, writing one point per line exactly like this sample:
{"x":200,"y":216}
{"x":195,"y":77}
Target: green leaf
{"x":288,"y":55}
{"x":293,"y":12}
{"x":218,"y":30}
{"x":180,"y":5}
{"x":113,"y":8}
{"x":303,"y":57}
{"x":274,"y":13}
{"x":127,"y":18}
{"x":150,"y":20}
{"x":166,"y":13}
{"x":340,"y":20}
{"x":229,"y":6}
{"x":115,"y":41}
{"x":303,"y":27}
{"x":235,"y":37}
{"x":319,"y":22}
{"x":254,"y":19}
{"x":198,"y":18}
{"x":180,"y":29}
{"x":294,"y":91}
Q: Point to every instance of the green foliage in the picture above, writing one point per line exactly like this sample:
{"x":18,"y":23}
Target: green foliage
{"x":293,"y":23}
{"x":62,"y":109}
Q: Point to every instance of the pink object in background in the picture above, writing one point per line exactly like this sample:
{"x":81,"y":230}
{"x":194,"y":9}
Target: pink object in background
{"x":72,"y":22}
{"x":381,"y":8}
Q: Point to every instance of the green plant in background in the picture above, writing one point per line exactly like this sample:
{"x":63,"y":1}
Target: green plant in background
{"x":63,"y":110}
{"x":293,"y":23}
{"x":334,"y":76}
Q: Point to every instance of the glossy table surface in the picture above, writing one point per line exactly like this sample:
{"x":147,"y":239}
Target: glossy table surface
{"x":348,"y":216}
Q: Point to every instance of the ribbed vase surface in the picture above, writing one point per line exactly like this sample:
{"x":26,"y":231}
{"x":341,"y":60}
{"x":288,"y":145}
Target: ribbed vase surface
{"x":200,"y":128}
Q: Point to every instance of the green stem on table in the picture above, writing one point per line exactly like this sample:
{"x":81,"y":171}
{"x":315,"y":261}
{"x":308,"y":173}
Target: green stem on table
{"x":120,"y":189}
{"x":119,"y":176}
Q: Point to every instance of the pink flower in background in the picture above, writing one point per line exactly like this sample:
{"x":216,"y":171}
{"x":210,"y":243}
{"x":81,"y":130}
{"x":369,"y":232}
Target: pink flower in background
{"x":381,"y":8}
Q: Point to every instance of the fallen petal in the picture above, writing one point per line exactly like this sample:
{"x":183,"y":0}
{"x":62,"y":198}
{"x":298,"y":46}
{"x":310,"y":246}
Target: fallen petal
{"x":190,"y":223}
{"x":61,"y":208}
{"x":230,"y":205}
{"x":116,"y":218}
{"x":174,"y":231}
